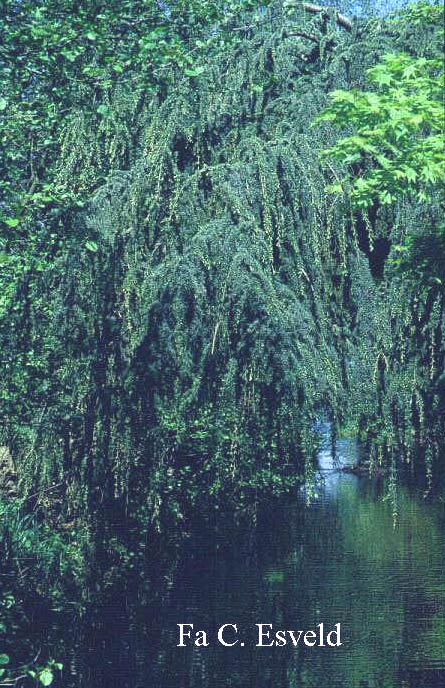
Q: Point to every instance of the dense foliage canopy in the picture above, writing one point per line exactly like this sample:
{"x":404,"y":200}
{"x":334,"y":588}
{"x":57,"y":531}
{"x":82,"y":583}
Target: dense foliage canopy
{"x":183,"y":293}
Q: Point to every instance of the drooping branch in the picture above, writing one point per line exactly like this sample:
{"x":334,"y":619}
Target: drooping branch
{"x":304,"y":34}
{"x":340,"y":18}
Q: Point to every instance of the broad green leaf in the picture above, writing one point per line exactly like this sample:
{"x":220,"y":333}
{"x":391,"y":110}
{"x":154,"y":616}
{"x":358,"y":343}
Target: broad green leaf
{"x":11,"y":221}
{"x":46,"y":677}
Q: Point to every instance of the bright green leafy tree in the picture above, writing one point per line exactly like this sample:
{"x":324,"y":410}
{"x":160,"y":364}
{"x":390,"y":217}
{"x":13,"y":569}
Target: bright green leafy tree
{"x":397,"y":145}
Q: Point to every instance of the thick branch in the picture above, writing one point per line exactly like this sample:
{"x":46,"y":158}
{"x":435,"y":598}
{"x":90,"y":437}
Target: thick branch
{"x":340,"y":18}
{"x":303,"y":34}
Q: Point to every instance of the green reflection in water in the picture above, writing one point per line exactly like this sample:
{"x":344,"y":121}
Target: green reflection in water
{"x":340,"y":560}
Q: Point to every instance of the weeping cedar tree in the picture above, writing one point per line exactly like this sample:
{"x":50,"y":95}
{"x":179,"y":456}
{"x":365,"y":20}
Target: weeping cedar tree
{"x":214,"y":297}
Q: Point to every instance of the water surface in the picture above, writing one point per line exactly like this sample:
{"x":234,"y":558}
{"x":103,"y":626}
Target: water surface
{"x":340,"y":560}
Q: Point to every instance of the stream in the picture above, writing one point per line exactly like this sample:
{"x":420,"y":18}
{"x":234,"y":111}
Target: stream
{"x":343,"y":560}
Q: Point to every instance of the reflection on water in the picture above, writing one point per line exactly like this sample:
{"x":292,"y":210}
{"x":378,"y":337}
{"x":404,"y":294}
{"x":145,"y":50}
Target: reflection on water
{"x":340,"y":560}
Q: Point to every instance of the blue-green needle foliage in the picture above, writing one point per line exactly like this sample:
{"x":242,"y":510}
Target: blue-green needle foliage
{"x":172,"y":344}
